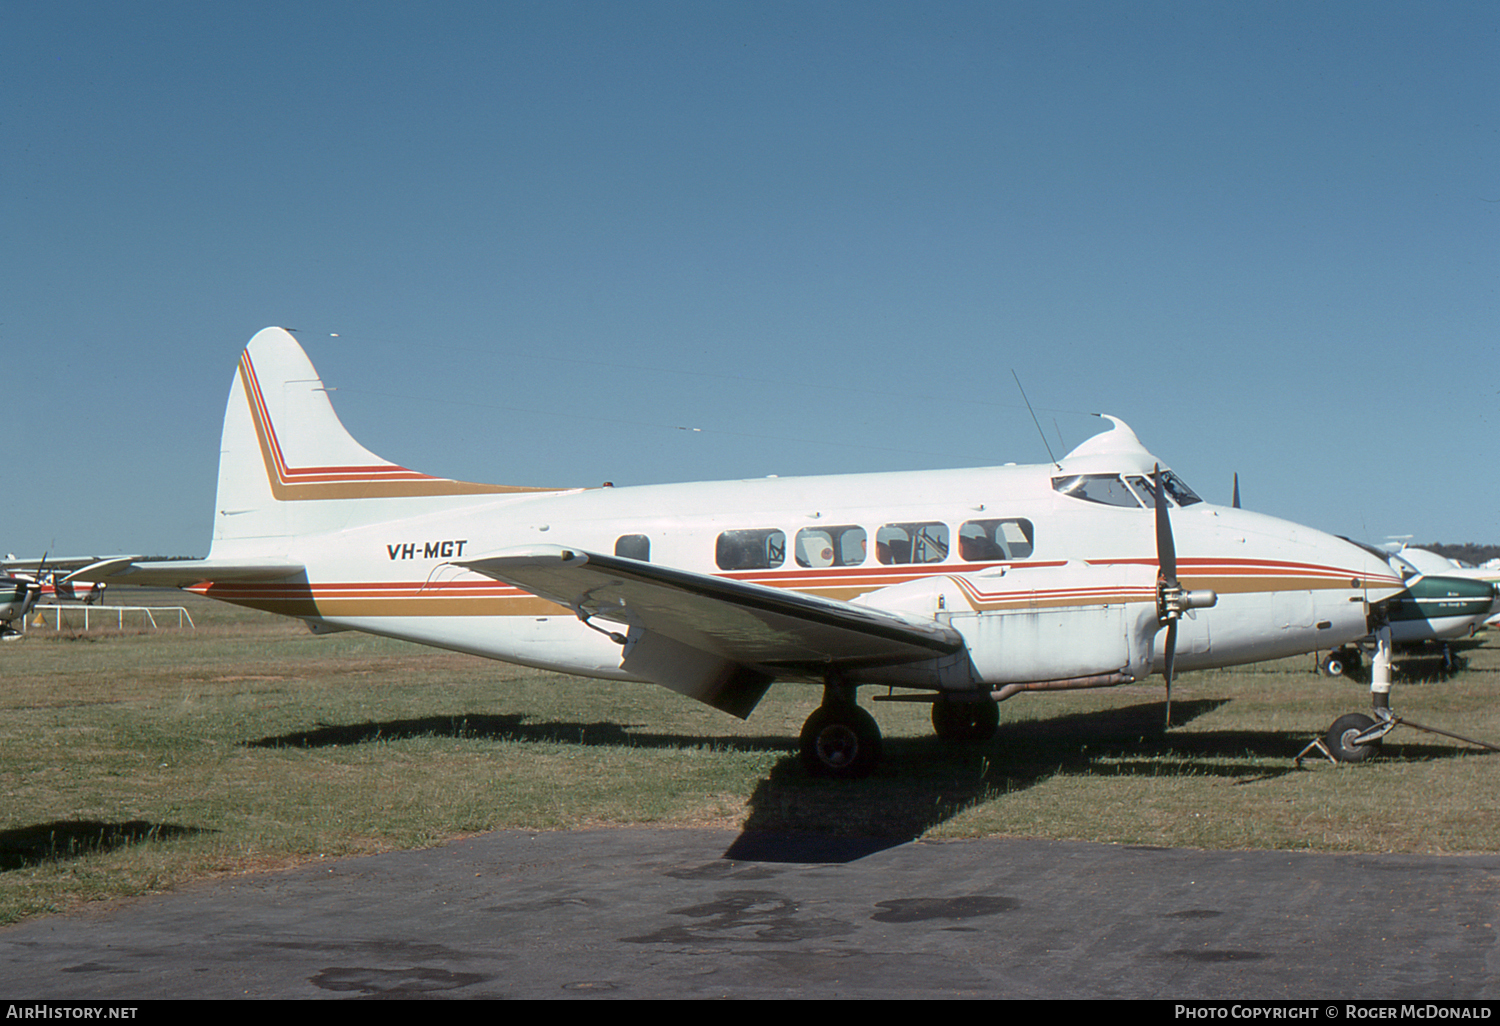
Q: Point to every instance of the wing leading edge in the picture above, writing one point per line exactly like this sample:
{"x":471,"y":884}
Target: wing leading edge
{"x":716,"y":639}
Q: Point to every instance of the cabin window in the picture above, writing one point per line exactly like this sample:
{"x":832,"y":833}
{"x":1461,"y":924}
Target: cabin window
{"x":911,"y":543}
{"x":758,"y":549}
{"x":634,"y":546}
{"x":982,"y":540}
{"x":831,"y":546}
{"x":1106,"y":489}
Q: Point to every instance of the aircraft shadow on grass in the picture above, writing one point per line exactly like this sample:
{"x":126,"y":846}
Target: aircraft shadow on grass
{"x":24,"y":847}
{"x":923,"y":780}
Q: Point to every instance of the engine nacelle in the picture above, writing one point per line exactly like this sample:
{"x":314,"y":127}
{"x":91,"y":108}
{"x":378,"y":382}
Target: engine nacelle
{"x":1033,"y":623}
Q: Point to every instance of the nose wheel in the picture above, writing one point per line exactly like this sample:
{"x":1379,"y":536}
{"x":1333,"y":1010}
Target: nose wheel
{"x":1355,"y":737}
{"x":1343,"y":739}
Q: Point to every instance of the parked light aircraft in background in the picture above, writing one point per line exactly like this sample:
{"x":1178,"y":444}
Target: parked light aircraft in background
{"x":17,"y":596}
{"x":51,"y":576}
{"x":1436,"y":606}
{"x":1425,"y":561}
{"x":963,"y":586}
{"x":25,"y":582}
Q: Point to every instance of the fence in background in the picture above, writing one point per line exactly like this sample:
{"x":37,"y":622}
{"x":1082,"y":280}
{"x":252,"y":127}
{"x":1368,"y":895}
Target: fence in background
{"x":37,"y":617}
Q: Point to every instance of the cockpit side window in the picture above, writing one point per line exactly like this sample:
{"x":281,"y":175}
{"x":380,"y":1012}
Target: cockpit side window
{"x":1106,"y":489}
{"x":1180,"y":492}
{"x":1144,"y":489}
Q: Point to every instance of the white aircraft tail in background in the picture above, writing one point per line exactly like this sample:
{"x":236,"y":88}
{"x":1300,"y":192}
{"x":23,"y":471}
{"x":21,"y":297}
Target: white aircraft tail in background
{"x":964,"y":586}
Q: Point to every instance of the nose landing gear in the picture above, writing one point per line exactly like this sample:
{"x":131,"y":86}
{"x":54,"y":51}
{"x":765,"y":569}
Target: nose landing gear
{"x":1356,"y":737}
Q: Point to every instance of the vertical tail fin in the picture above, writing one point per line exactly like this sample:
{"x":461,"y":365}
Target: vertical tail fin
{"x":288,"y":466}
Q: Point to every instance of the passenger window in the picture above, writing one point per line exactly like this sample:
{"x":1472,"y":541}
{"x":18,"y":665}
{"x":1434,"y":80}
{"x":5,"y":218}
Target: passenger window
{"x":911,"y":543}
{"x":634,"y":546}
{"x":831,"y":546}
{"x":759,"y":549}
{"x":1106,"y":489}
{"x":981,"y":540}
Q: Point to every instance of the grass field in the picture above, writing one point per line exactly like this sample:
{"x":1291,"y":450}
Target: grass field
{"x":131,"y":760}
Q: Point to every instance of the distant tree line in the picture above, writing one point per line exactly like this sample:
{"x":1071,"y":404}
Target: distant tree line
{"x":1467,"y":552}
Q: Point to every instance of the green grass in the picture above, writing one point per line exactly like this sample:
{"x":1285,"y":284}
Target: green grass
{"x":132,"y":760}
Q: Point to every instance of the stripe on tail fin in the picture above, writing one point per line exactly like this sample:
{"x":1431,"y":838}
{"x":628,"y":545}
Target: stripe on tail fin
{"x":283,"y":443}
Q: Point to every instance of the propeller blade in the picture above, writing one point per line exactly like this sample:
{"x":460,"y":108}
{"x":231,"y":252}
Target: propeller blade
{"x":1236,"y":490}
{"x":1166,"y":551}
{"x":1167,"y":668}
{"x":1166,"y":559}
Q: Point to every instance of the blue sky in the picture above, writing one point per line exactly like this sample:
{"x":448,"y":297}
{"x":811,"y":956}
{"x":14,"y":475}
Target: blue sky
{"x":539,"y":243}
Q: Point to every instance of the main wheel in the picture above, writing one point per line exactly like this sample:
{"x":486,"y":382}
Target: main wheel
{"x":840,"y":741}
{"x":965,"y":721}
{"x":1340,"y":738}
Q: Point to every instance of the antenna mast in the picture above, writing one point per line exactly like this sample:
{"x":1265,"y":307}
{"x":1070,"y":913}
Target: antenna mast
{"x":1034,"y":420}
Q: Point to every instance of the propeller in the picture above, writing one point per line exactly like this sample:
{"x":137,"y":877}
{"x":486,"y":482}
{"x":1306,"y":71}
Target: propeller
{"x":1236,"y":489}
{"x":1171,"y":600}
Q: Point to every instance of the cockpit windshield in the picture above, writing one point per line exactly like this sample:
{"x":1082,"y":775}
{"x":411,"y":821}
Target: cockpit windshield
{"x":1111,"y":490}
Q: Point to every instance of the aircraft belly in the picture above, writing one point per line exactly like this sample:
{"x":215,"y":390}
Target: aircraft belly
{"x":560,"y":643}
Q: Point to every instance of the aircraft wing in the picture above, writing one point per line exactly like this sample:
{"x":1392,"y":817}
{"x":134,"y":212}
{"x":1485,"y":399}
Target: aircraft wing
{"x":716,"y":639}
{"x":182,"y":573}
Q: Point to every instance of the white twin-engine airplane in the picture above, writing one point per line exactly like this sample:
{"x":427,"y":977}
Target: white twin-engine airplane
{"x":967,"y":585}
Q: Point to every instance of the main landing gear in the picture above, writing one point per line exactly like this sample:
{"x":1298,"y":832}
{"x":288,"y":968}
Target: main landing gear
{"x":840,"y":741}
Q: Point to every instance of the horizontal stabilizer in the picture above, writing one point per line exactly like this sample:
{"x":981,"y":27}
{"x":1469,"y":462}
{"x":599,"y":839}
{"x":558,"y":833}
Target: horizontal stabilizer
{"x":52,"y":563}
{"x":183,"y":573}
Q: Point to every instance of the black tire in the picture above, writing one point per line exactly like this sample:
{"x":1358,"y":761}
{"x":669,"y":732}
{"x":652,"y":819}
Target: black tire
{"x":1340,"y":738}
{"x":1353,"y":661}
{"x":840,"y":742}
{"x":965,"y":721}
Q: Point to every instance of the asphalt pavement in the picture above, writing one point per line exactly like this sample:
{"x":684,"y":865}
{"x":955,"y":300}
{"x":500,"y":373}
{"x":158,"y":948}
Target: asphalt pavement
{"x":701,"y":913}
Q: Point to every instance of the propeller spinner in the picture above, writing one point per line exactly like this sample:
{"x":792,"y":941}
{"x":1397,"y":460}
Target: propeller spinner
{"x":1171,"y":600}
